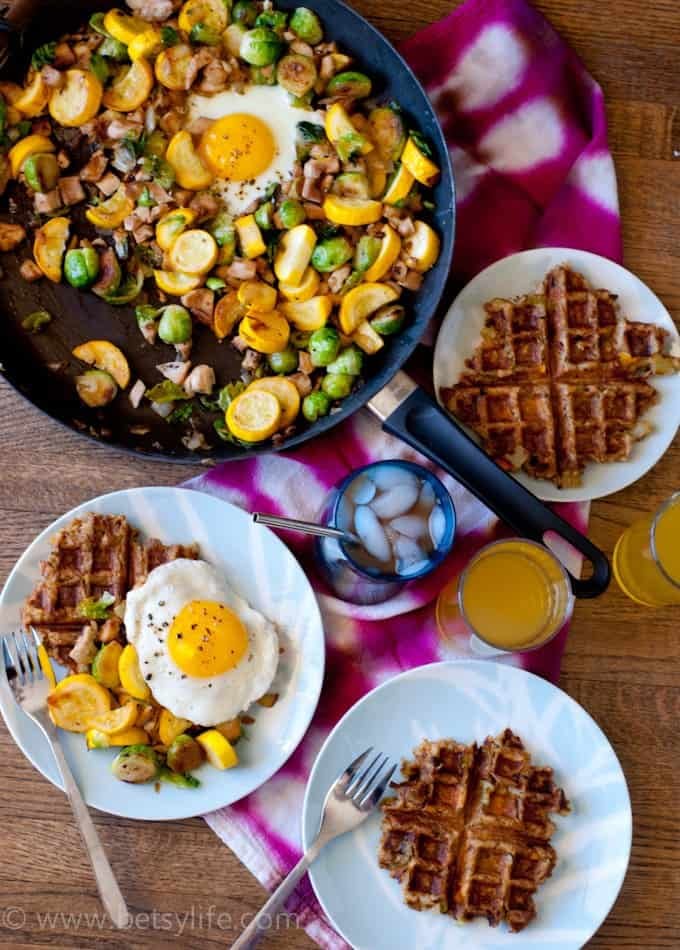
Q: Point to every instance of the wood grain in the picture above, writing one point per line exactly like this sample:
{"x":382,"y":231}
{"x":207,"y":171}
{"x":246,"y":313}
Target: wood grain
{"x":621,"y":663}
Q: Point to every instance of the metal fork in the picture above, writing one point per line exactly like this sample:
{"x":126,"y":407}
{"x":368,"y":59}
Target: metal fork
{"x":30,"y":687}
{"x":349,"y":802}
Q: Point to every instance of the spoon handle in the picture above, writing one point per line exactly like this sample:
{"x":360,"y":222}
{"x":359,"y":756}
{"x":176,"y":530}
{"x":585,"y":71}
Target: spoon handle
{"x":307,"y":527}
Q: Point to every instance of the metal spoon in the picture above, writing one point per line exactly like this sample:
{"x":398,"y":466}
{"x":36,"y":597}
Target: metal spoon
{"x":306,"y":527}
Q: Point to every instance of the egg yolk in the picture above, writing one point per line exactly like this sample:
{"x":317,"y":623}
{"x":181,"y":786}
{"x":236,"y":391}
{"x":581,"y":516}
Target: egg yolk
{"x":206,"y":638}
{"x":238,"y":146}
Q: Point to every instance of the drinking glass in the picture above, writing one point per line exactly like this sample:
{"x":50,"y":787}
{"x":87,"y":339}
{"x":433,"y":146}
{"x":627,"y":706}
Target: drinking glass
{"x":513,"y":596}
{"x":646,"y":559}
{"x":340,"y":563}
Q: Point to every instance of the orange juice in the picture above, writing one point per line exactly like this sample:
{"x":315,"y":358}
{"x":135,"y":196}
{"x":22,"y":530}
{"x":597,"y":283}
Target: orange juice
{"x":514,"y":595}
{"x":646,"y":559}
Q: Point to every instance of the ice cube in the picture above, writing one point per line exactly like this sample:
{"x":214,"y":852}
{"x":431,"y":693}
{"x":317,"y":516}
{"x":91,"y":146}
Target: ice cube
{"x":427,"y":496}
{"x":344,"y":515}
{"x":437,"y":525}
{"x":412,"y":526}
{"x":362,"y":490}
{"x":397,"y":500}
{"x":407,"y":552}
{"x":371,"y":533}
{"x":387,"y":476}
{"x":409,"y":570}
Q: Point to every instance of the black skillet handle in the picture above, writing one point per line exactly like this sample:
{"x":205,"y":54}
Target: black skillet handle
{"x":412,"y":415}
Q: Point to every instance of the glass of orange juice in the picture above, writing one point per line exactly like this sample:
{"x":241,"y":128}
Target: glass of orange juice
{"x":514,"y":595}
{"x":646,"y":558}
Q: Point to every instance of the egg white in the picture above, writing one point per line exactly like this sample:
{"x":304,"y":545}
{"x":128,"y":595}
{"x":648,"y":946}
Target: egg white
{"x":149,"y":612}
{"x":272,"y":105}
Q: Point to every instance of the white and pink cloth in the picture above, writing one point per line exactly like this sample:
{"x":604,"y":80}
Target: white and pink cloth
{"x":526,"y":128}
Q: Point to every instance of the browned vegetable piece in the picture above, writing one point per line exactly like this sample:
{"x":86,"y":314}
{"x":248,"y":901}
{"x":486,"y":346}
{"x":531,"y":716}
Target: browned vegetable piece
{"x":184,"y":754}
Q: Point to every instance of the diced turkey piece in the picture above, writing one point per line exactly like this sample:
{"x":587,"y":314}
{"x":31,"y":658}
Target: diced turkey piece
{"x":85,"y":648}
{"x":201,"y":303}
{"x":71,"y":191}
{"x":52,"y":77}
{"x":11,"y":235}
{"x":200,"y":380}
{"x":136,"y":394}
{"x":108,"y":184}
{"x":176,"y":371}
{"x":154,"y":10}
{"x":30,"y":271}
{"x":45,"y":202}
{"x":95,"y":167}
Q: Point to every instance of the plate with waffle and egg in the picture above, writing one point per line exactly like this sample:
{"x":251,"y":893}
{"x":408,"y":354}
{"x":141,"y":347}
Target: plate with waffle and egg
{"x":572,"y":387}
{"x":187,"y":648}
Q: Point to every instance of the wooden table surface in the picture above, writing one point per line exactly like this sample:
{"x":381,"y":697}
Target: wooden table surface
{"x":622,"y":664}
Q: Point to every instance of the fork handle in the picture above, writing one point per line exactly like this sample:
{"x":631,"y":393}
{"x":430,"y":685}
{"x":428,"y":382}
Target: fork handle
{"x":109,"y":891}
{"x":264,"y":918}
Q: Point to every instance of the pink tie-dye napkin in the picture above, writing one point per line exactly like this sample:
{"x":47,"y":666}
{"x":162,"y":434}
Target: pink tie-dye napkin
{"x":526,"y":129}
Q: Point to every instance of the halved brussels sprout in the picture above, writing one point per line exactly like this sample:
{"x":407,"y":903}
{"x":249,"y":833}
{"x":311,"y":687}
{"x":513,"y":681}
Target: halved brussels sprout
{"x":184,"y":754}
{"x":337,"y":385}
{"x":388,"y":319}
{"x":178,"y":779}
{"x":296,"y":73}
{"x":136,"y":764}
{"x":324,"y":345}
{"x":284,"y":362}
{"x":264,"y":216}
{"x":352,"y":185}
{"x":291,"y":213}
{"x":96,"y":388}
{"x":81,"y":267}
{"x":366,"y":252}
{"x":350,"y":362}
{"x":273,"y":19}
{"x":244,"y":12}
{"x":388,"y":132}
{"x":330,"y":254}
{"x":306,"y":24}
{"x":41,"y":171}
{"x":315,"y":405}
{"x":175,"y":325}
{"x":261,"y":46}
{"x":349,"y":85}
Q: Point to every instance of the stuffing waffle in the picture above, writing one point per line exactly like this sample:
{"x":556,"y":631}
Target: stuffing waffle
{"x":468,"y":830}
{"x":558,"y":379}
{"x":92,"y":556}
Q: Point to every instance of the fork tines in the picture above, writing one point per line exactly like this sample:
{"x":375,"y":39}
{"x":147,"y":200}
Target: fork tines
{"x":20,"y":653}
{"x":366,"y":788}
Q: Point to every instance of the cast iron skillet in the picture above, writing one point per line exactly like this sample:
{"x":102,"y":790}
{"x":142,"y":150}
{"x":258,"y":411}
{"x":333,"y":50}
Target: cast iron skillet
{"x":406,"y":411}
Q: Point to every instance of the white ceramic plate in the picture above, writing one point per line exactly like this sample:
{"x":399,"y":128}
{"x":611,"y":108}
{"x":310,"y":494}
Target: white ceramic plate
{"x":522,"y":273}
{"x":262,"y":569}
{"x":469,"y":700}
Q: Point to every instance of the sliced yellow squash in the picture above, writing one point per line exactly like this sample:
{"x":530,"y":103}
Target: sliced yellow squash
{"x":171,"y":225}
{"x":131,"y":87}
{"x":131,"y":678}
{"x":367,"y":339}
{"x":146,"y":45}
{"x":360,"y":302}
{"x":176,"y":283}
{"x":265,"y":332}
{"x":227,"y":314}
{"x":111,"y":213}
{"x":193,"y":252}
{"x":213,"y":13}
{"x":306,"y":289}
{"x":253,"y":416}
{"x":308,"y":315}
{"x":49,"y":247}
{"x":76,"y":101}
{"x":34,"y":98}
{"x":294,"y":254}
{"x":116,"y":720}
{"x":123,"y":26}
{"x":339,"y":126}
{"x":256,"y":295}
{"x":249,"y":236}
{"x":101,"y":740}
{"x":218,"y":751}
{"x":422,"y":247}
{"x":420,"y":165}
{"x":341,"y":209}
{"x":399,"y":187}
{"x":76,"y":700}
{"x":170,"y":726}
{"x":31,"y":145}
{"x":171,"y":66}
{"x":286,"y":393}
{"x":190,"y":171}
{"x":390,"y":247}
{"x":107,"y":356}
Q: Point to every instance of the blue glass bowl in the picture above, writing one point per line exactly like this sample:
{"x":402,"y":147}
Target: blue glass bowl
{"x":362,"y":583}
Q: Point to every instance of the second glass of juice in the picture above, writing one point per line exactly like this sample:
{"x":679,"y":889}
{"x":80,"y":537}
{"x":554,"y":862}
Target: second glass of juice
{"x":514,"y":595}
{"x":646,"y":558}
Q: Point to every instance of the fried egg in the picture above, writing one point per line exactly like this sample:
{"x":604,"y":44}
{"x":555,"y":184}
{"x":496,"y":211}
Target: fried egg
{"x":251,"y":142}
{"x":204,"y":652}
